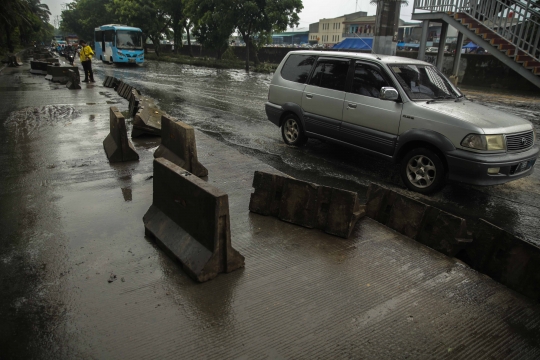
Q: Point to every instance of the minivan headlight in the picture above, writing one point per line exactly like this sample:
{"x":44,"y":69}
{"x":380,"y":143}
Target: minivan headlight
{"x":484,"y":142}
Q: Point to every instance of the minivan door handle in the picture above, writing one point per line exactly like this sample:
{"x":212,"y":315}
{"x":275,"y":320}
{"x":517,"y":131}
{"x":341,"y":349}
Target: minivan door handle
{"x":351,"y":106}
{"x":309,"y":96}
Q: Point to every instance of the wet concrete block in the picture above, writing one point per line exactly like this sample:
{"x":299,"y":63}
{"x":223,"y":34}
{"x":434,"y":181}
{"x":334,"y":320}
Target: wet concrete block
{"x":74,"y":79}
{"x":127,"y":92}
{"x":119,"y":87}
{"x":38,"y":67}
{"x":117,"y":145}
{"x":58,"y":73}
{"x":178,"y":145}
{"x":147,"y":120}
{"x":107,"y":82}
{"x":266,"y":198}
{"x":406,"y":216}
{"x":134,"y":100}
{"x":190,"y":219}
{"x":443,"y":232}
{"x":332,"y":210}
{"x":506,"y":258}
{"x":14,"y":61}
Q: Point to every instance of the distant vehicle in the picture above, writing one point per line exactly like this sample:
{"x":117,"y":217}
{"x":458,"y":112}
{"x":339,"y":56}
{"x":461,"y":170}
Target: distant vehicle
{"x":119,"y":44}
{"x":72,"y":39}
{"x":432,"y":49}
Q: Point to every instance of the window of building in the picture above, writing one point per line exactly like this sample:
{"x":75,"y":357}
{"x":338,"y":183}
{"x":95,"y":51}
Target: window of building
{"x":330,"y":74}
{"x":368,"y":80}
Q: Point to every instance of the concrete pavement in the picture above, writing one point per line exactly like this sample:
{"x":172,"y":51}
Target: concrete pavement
{"x":80,"y":280}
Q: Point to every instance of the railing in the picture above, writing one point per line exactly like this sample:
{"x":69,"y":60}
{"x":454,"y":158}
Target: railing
{"x":518,"y":21}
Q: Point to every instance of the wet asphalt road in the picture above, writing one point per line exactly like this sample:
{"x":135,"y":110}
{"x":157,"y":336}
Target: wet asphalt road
{"x":78,"y":278}
{"x":229,"y":105}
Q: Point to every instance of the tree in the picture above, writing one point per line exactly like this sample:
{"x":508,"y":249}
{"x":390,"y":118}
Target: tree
{"x":27,"y":18}
{"x":211,"y":27}
{"x":261,"y":17}
{"x":176,"y":10}
{"x":83,"y":16}
{"x":148,"y":15}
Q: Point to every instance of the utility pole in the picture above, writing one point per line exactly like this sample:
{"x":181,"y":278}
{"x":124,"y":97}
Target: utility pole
{"x":386,"y":27}
{"x":356,"y":7}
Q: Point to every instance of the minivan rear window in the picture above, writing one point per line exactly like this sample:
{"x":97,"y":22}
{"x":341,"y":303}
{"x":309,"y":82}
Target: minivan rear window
{"x":297,"y":68}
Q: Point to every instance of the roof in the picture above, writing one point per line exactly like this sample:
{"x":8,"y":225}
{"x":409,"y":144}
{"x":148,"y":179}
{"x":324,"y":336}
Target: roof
{"x":117,"y":27}
{"x":361,"y":19}
{"x":386,"y":59}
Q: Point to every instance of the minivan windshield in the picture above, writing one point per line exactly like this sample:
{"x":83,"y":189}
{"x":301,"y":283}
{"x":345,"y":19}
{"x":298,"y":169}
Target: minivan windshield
{"x":424,"y":82}
{"x":130,"y":40}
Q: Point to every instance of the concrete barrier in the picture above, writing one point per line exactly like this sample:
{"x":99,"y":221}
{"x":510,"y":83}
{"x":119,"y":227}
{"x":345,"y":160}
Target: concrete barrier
{"x":14,"y":61}
{"x":118,"y":85}
{"x":147,"y":120}
{"x":38,"y":67}
{"x":117,"y":145}
{"x":134,"y":99}
{"x":505,"y":258}
{"x":59,"y":73}
{"x":127,"y":91}
{"x":74,"y":79}
{"x":189,"y":218}
{"x":179,"y":147}
{"x":109,"y":81}
{"x":332,"y":210}
{"x":435,"y":228}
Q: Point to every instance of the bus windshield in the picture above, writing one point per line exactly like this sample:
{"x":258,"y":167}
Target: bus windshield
{"x":126,"y":39}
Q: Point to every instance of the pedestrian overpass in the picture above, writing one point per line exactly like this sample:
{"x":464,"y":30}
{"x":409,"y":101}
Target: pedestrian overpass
{"x":507,"y":29}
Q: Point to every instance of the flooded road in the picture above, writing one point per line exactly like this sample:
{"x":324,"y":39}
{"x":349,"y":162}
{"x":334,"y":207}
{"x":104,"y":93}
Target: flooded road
{"x":229,"y":105}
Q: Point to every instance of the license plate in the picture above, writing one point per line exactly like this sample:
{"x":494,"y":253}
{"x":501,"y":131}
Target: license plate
{"x":131,"y":60}
{"x":524,"y":166}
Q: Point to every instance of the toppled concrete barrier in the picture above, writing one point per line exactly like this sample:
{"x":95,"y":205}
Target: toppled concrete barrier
{"x":59,"y":73}
{"x":109,"y":81}
{"x":117,"y":145}
{"x":189,"y":218}
{"x":332,"y":210}
{"x":179,"y":147}
{"x":435,"y":228}
{"x":147,"y":120}
{"x":13,"y":61}
{"x":134,"y":100}
{"x":505,"y":258}
{"x":127,"y":92}
{"x":74,"y":79}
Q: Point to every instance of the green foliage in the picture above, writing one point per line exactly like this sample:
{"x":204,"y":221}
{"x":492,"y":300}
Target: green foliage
{"x":82,"y":16}
{"x":229,"y":55}
{"x":22,"y":22}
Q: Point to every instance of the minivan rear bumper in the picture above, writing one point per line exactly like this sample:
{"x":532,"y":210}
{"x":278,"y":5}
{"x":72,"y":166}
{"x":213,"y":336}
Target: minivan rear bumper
{"x":273,"y":112}
{"x":472,"y":168}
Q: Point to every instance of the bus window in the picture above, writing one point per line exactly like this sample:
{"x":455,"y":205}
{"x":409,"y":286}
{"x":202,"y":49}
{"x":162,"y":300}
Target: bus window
{"x":126,"y":39}
{"x":108,"y":35}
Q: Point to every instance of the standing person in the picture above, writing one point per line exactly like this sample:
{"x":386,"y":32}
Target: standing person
{"x":85,"y":55}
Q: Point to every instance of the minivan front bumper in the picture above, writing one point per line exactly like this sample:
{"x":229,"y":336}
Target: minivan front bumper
{"x":472,"y":168}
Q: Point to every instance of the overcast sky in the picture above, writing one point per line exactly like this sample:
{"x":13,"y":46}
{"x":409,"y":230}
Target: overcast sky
{"x":313,"y":9}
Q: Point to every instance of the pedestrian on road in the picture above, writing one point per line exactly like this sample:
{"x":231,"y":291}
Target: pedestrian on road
{"x":85,"y":55}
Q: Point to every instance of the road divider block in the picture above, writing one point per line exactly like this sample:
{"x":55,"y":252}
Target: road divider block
{"x":147,"y":120}
{"x":74,"y":79}
{"x":117,"y":145}
{"x":334,"y":211}
{"x":58,"y":73}
{"x":190,"y":220}
{"x":38,"y":67}
{"x":109,"y":81}
{"x":505,"y":258}
{"x":13,"y":61}
{"x":134,"y":99}
{"x":179,"y":147}
{"x":433,"y":227}
{"x":127,"y":91}
{"x":119,"y":86}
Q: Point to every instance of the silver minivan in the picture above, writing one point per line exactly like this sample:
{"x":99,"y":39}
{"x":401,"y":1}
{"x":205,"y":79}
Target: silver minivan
{"x":402,"y":109}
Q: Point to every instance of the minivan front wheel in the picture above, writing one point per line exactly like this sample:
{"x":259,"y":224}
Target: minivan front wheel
{"x":292,"y":131}
{"x":423,"y":171}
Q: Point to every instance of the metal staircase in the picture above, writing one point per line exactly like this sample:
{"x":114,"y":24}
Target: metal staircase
{"x":508,"y":29}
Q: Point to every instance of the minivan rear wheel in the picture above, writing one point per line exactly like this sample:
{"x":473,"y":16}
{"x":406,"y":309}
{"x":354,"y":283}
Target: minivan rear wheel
{"x":292,"y":131}
{"x":422,"y":170}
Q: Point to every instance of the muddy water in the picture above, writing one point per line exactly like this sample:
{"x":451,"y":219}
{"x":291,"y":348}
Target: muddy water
{"x":229,"y":105}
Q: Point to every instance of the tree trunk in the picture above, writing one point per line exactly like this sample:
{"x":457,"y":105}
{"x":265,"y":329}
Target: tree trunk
{"x":188,"y":41}
{"x":247,"y":40}
{"x":8,"y":38}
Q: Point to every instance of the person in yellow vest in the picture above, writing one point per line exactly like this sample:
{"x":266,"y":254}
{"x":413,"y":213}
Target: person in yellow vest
{"x":85,"y":55}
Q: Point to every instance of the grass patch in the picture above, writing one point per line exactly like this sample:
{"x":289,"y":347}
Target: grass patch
{"x":229,"y":63}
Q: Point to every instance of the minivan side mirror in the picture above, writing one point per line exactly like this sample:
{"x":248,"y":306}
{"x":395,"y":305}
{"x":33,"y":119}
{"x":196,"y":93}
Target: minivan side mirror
{"x":388,"y":93}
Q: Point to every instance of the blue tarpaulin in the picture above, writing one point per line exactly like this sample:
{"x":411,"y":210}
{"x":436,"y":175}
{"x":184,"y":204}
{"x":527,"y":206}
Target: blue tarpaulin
{"x":471,"y":45}
{"x":355,"y":44}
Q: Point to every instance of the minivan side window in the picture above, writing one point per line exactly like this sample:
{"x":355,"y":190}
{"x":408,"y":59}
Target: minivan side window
{"x":368,"y":80}
{"x":297,"y":68}
{"x":330,"y":74}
